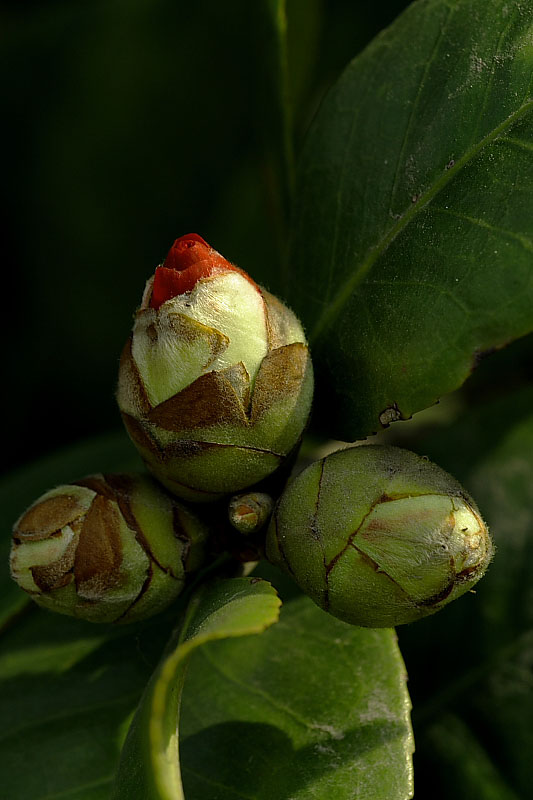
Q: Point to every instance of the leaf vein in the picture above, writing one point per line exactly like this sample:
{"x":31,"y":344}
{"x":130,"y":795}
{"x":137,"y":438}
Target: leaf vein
{"x":259,"y":692}
{"x":374,"y":253}
{"x":514,"y":140}
{"x":438,"y":289}
{"x":415,"y":105}
{"x":526,"y":243}
{"x":339,"y":196}
{"x":490,"y":81}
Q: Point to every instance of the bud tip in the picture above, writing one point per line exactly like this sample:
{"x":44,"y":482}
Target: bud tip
{"x":189,"y":259}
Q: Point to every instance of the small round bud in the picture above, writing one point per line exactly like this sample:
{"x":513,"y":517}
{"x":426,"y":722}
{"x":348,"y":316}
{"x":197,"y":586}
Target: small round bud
{"x":108,"y":548}
{"x":248,"y":513}
{"x":379,"y":536}
{"x":215,"y":383}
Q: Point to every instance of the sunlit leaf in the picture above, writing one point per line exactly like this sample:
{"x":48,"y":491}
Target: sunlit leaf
{"x":412,"y":249}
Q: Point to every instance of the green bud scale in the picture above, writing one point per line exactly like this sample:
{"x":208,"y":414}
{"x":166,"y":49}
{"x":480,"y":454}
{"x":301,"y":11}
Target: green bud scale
{"x":215,"y":383}
{"x":379,"y":536}
{"x":108,"y":548}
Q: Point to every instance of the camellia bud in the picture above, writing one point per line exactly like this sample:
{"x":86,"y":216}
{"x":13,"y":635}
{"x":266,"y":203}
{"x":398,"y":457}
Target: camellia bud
{"x":379,"y":536}
{"x":108,"y":548}
{"x":215,"y":383}
{"x":248,"y":513}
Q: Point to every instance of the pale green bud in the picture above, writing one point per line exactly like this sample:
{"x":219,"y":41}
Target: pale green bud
{"x":379,"y":536}
{"x":215,"y":383}
{"x":108,"y":548}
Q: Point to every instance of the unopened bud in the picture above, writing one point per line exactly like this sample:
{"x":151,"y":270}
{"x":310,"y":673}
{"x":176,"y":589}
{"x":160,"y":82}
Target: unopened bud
{"x":215,"y":383}
{"x":108,"y":548}
{"x":248,"y":513}
{"x":379,"y":536}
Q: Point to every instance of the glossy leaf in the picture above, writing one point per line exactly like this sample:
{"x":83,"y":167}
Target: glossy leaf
{"x":412,"y":246}
{"x":149,"y":766}
{"x":312,"y":709}
{"x":470,"y":666}
{"x":68,"y":690}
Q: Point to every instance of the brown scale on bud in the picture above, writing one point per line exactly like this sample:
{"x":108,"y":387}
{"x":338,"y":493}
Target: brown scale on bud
{"x":107,"y":548}
{"x":215,"y":383}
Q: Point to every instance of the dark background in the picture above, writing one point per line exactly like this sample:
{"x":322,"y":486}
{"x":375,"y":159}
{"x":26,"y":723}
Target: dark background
{"x":127,"y":123}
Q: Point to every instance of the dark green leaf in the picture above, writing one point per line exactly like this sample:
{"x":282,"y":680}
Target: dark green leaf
{"x":312,"y":709}
{"x":475,"y":658}
{"x":149,"y":766}
{"x":412,"y":246}
{"x":68,"y":690}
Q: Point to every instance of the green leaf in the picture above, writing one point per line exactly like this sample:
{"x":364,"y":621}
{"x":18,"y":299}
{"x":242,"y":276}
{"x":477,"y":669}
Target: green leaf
{"x":470,"y":666}
{"x":329,"y":696}
{"x":412,"y":243}
{"x":312,"y":709}
{"x":149,"y":766}
{"x":68,"y":690}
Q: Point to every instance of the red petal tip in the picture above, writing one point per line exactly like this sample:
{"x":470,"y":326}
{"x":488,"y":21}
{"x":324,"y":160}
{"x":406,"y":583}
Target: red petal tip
{"x":189,"y":259}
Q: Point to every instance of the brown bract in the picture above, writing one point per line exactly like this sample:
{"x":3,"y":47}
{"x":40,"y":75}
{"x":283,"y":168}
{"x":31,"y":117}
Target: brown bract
{"x":220,"y":408}
{"x":48,"y":517}
{"x":104,"y":546}
{"x":99,"y":551}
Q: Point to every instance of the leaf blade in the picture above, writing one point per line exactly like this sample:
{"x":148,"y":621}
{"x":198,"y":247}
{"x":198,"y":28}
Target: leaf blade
{"x":301,"y":712}
{"x":149,"y":765}
{"x":399,"y":296}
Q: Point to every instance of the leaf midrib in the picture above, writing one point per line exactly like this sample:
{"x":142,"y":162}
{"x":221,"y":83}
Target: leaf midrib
{"x":346,"y":290}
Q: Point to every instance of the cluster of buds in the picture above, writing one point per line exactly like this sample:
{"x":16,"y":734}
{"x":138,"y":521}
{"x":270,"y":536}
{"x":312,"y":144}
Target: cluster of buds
{"x":215,"y":382}
{"x":108,"y":548}
{"x":215,"y":388}
{"x":379,"y":536}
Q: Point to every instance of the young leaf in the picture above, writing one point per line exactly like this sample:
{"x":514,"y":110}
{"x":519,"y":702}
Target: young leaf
{"x":412,"y":241}
{"x":149,"y":766}
{"x":313,"y":709}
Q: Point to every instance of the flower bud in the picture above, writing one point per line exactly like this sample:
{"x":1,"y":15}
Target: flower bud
{"x":108,"y":548}
{"x":215,"y":383}
{"x":379,"y":536}
{"x":248,"y":513}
